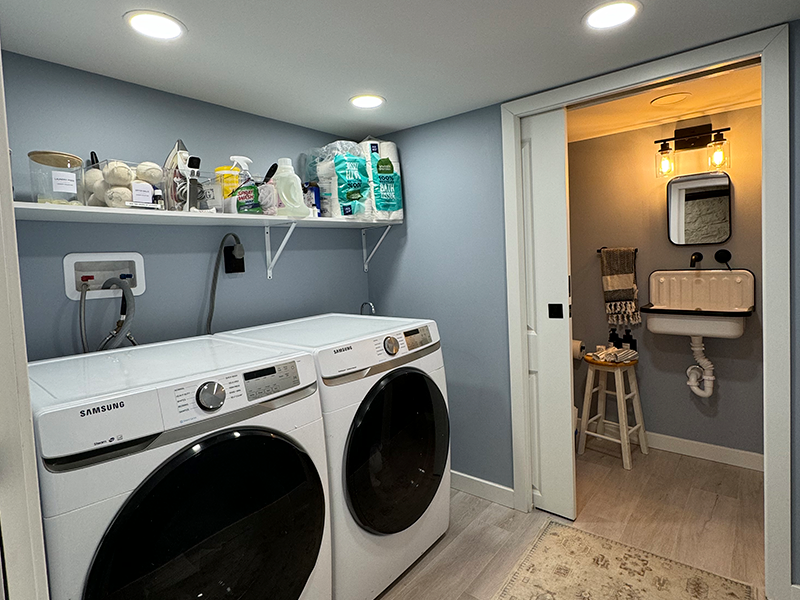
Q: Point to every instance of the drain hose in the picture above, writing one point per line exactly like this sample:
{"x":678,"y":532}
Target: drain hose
{"x":704,"y":369}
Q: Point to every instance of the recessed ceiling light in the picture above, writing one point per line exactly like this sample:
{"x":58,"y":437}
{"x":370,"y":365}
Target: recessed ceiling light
{"x":155,"y":24}
{"x":367,"y":101}
{"x":612,"y":14}
{"x":668,"y":99}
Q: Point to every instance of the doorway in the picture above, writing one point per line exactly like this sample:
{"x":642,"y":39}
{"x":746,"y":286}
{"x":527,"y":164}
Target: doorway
{"x":544,"y":470}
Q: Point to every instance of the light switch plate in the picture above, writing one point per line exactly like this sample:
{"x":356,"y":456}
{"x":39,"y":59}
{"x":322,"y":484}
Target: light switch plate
{"x":99,"y":266}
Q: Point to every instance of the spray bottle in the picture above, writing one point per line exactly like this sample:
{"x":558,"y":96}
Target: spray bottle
{"x":290,"y":191}
{"x":247,"y":192}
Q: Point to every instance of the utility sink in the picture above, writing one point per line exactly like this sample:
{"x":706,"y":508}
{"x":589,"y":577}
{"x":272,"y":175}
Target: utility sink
{"x":700,"y":302}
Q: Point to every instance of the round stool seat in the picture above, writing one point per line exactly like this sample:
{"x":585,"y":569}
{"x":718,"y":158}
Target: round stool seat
{"x":601,"y":363}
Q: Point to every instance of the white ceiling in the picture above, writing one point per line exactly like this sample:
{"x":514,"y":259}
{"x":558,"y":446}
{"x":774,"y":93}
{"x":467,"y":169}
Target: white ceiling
{"x":300,"y":62}
{"x":709,"y":95}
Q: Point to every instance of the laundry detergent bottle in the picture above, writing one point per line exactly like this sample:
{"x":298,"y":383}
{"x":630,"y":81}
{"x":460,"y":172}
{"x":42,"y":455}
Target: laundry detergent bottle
{"x":290,"y":191}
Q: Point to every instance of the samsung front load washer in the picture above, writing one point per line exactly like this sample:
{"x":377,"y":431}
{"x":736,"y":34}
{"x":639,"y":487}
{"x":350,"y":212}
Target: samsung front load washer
{"x":192,"y":469}
{"x":384,"y":406}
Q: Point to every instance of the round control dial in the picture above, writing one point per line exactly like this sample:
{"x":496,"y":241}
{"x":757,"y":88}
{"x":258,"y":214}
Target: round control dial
{"x":210,"y":396}
{"x":391,"y":346}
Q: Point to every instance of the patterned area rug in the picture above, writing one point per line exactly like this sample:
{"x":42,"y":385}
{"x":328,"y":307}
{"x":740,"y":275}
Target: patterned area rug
{"x":565,"y":563}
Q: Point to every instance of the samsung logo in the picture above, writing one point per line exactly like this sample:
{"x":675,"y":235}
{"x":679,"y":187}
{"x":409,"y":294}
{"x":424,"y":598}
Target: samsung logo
{"x":342,"y":349}
{"x":101,"y":409}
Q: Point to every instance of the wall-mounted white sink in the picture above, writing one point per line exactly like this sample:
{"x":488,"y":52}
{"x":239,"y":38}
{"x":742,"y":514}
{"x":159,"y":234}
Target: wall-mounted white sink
{"x":700,"y":302}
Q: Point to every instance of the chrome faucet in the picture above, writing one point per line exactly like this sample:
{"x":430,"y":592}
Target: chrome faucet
{"x":696,"y":258}
{"x":371,"y":308}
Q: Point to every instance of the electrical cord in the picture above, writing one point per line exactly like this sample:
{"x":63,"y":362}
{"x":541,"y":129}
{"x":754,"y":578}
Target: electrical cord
{"x":238,"y":252}
{"x":84,"y":340}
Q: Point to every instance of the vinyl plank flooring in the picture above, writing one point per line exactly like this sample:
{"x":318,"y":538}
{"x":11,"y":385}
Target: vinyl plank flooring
{"x":494,"y":574}
{"x":748,"y":548}
{"x":448,"y":575}
{"x":707,"y":532}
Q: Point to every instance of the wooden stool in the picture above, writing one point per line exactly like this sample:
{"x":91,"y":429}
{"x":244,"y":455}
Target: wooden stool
{"x":619,"y":370}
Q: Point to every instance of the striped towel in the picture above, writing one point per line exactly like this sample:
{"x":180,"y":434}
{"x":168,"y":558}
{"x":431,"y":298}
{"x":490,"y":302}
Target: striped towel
{"x":620,"y":292}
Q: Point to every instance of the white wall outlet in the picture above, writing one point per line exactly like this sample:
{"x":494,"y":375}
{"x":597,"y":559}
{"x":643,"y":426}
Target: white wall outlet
{"x":95,"y":268}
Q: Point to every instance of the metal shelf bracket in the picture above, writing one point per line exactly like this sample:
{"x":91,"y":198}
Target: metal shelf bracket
{"x":272,"y":261}
{"x":367,"y":257}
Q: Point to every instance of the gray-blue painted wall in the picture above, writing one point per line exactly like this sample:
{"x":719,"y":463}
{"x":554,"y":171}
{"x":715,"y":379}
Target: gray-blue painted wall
{"x":57,"y":108}
{"x":448,"y":263}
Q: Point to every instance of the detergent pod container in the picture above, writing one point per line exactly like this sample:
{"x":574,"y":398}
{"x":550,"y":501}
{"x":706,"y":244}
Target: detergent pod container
{"x":290,"y":191}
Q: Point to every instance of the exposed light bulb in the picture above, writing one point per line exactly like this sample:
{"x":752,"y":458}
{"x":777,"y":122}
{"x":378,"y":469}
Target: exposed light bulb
{"x":718,"y":158}
{"x":666,"y":165}
{"x":665,"y":160}
{"x":719,"y":153}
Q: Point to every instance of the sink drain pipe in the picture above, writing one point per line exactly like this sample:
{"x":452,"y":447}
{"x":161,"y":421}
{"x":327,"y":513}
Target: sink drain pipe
{"x":703,"y":370}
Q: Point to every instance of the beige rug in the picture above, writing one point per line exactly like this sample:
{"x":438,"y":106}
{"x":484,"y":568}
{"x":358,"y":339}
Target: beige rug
{"x":565,"y":563}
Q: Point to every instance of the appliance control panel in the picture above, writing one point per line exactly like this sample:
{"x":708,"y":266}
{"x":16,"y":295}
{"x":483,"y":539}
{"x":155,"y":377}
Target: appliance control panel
{"x":346,"y":358}
{"x":270,"y":380}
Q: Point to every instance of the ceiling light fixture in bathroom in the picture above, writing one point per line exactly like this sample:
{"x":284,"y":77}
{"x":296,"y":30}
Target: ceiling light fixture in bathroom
{"x":612,"y":14}
{"x":154,"y":24}
{"x":367,"y":101}
{"x":669,"y":99}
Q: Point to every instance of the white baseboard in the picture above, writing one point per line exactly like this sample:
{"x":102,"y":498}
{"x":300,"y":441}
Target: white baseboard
{"x":720,"y":454}
{"x":795,"y":591}
{"x":493,"y":492}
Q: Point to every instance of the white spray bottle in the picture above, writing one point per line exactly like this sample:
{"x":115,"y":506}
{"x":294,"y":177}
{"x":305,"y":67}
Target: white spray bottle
{"x":290,"y":190}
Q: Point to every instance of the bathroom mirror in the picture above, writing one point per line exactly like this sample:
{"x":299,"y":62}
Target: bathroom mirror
{"x":699,"y":209}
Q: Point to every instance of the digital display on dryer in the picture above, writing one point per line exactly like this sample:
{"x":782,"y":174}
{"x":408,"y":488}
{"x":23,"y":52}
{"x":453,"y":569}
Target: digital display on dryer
{"x":271,"y":380}
{"x":416,"y":338}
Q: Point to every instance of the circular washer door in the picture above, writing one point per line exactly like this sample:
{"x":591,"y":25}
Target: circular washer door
{"x":239,"y":514}
{"x":396,"y":452}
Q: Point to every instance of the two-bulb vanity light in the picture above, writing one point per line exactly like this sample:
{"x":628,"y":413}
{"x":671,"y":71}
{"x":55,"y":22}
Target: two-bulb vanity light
{"x":694,"y":138}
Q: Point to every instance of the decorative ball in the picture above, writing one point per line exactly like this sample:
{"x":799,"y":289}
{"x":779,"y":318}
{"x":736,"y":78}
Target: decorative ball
{"x":117,"y":173}
{"x":117,"y":197}
{"x":100,"y":188}
{"x":149,"y":172}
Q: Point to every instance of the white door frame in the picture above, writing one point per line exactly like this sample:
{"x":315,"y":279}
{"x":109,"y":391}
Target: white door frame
{"x":772,"y":46}
{"x":20,"y":512}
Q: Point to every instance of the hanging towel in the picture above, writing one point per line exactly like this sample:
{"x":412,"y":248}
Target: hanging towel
{"x":620,"y":292}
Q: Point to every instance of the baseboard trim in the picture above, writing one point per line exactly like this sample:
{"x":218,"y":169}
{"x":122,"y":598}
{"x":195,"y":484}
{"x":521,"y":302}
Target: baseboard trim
{"x":493,"y":492}
{"x":720,"y":454}
{"x":795,"y":591}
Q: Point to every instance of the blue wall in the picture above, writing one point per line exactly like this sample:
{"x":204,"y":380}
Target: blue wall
{"x":57,"y":108}
{"x":448,"y":263}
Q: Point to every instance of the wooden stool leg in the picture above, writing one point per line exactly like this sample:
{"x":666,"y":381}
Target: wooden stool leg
{"x":601,"y":401}
{"x":622,"y":412}
{"x":637,"y":410}
{"x":587,"y":409}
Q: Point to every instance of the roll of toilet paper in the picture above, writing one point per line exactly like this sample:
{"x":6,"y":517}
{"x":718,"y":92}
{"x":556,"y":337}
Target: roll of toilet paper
{"x":578,"y":349}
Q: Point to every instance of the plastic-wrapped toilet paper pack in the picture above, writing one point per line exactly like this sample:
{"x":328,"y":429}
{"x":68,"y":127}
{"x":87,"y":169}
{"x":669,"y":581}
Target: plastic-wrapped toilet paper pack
{"x":344,"y":186}
{"x":385,"y":201}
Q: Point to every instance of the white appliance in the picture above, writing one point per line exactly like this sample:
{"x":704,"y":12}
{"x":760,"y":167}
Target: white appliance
{"x":384,"y":406}
{"x":190,"y":469}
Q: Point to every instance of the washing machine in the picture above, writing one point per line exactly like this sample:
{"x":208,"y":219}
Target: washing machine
{"x":193,"y":469}
{"x":384,"y":407}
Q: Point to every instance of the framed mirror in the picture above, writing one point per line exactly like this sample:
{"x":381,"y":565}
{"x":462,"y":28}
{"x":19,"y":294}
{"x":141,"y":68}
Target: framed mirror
{"x":699,"y":209}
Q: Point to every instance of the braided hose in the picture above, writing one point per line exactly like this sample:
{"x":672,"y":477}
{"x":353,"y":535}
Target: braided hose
{"x":704,"y":369}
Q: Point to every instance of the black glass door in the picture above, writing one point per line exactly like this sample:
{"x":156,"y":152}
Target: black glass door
{"x":239,"y":514}
{"x":396,"y":452}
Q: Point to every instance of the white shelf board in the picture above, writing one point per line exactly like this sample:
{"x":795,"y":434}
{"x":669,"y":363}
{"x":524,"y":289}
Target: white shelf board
{"x":31,"y":211}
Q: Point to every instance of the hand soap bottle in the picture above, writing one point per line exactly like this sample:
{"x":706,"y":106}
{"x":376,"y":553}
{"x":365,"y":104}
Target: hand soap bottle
{"x":290,"y":191}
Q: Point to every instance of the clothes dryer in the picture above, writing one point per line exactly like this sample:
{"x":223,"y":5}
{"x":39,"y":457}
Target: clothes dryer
{"x":193,"y":469}
{"x":384,"y":406}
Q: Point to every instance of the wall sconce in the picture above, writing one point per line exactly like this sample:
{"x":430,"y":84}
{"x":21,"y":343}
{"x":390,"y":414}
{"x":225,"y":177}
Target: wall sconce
{"x":665,"y":160}
{"x":719,"y":153}
{"x":694,"y":138}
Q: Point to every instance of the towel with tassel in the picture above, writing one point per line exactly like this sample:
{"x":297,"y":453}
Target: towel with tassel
{"x":620,"y":292}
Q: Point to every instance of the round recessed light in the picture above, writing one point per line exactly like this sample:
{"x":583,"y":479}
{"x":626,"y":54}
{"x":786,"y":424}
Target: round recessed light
{"x":669,"y":99}
{"x":612,"y":14}
{"x":155,"y":24}
{"x":367,"y":101}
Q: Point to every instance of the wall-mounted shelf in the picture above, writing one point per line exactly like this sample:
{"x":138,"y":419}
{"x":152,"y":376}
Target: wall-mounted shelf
{"x":29,"y":211}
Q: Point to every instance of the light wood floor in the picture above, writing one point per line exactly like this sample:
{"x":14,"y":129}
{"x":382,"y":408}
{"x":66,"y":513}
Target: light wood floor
{"x":701,"y":513}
